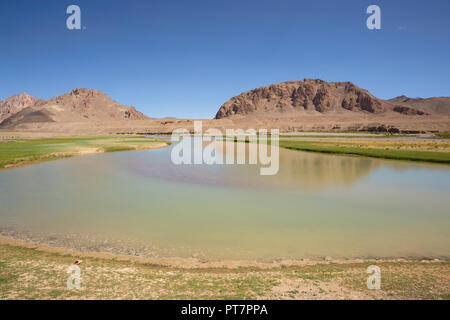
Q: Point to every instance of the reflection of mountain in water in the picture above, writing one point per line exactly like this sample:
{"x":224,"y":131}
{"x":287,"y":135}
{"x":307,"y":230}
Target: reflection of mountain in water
{"x":297,"y":170}
{"x":315,"y":170}
{"x":320,"y":170}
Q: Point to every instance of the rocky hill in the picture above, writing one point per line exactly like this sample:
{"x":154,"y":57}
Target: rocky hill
{"x":80,"y":105}
{"x":16,"y":103}
{"x":310,"y":97}
{"x":437,"y":105}
{"x":293,"y":106}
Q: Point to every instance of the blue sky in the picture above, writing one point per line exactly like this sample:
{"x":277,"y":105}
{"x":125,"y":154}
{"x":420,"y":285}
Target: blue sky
{"x":186,"y":58}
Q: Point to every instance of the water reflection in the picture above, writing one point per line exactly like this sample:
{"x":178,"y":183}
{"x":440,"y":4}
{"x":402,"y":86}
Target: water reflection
{"x":297,"y":170}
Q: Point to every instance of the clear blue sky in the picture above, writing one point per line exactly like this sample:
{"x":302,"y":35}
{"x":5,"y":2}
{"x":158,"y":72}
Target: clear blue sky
{"x":186,"y":58}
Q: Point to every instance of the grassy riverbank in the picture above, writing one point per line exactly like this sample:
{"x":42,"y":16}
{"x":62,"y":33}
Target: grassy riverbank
{"x":428,"y":151}
{"x":342,"y":136}
{"x":29,"y":273}
{"x":18,"y":152}
{"x":442,"y":135}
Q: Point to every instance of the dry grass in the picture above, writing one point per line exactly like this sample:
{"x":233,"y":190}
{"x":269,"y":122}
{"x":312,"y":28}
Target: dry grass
{"x":27,"y":273}
{"x":436,"y":146}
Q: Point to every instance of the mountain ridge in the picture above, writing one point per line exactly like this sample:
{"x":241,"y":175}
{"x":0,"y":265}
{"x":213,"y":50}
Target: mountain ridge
{"x":289,"y":106}
{"x":432,"y":105}
{"x":79,"y":105}
{"x":310,"y":96}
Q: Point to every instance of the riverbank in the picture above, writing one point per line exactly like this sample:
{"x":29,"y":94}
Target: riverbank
{"x":426,"y":151}
{"x":15,"y":152}
{"x":19,"y":151}
{"x":30,"y":271}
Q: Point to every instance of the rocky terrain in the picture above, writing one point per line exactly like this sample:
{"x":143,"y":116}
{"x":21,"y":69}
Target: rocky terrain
{"x":293,"y":106}
{"x":80,"y":105}
{"x":16,"y":103}
{"x":296,"y":98}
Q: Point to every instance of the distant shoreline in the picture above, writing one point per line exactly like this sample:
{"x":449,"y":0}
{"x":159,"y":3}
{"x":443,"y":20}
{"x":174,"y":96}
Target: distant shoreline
{"x":21,"y":151}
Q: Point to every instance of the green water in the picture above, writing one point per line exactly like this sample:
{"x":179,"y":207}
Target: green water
{"x":317,"y":205}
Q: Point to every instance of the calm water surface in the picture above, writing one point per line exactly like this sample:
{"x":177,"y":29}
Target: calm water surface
{"x":317,"y":205}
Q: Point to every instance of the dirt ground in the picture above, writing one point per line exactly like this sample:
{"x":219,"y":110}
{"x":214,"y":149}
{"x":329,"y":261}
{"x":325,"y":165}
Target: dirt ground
{"x":286,"y":124}
{"x":32,"y":272}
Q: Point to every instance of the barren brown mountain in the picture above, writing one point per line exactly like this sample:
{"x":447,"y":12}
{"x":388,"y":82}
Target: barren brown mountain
{"x":16,"y":103}
{"x":294,"y":98}
{"x":437,"y":105}
{"x":80,"y":105}
{"x":293,"y":106}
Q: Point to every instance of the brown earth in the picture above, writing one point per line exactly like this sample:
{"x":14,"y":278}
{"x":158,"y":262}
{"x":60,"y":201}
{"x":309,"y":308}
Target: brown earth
{"x":377,"y":123}
{"x":30,"y":271}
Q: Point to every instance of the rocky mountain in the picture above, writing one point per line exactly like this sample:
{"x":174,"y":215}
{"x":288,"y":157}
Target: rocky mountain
{"x":293,"y":106}
{"x":437,"y":105}
{"x":80,"y":105}
{"x":309,"y":97}
{"x":16,"y":103}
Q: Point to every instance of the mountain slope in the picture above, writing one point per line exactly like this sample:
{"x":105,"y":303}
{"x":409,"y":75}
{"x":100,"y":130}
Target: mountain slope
{"x":16,"y":103}
{"x":309,"y":97}
{"x":437,"y":105}
{"x":80,"y":105}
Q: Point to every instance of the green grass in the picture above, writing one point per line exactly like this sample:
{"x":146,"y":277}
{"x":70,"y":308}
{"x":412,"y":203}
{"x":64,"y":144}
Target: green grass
{"x":442,"y":135}
{"x":411,"y":155}
{"x":14,"y":152}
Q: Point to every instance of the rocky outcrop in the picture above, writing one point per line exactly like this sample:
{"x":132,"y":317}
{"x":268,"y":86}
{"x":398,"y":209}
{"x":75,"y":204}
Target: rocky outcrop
{"x":308,"y":96}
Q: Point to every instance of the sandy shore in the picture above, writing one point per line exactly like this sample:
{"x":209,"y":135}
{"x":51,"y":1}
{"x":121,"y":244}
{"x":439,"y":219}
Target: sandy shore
{"x":195,"y":263}
{"x":30,"y":271}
